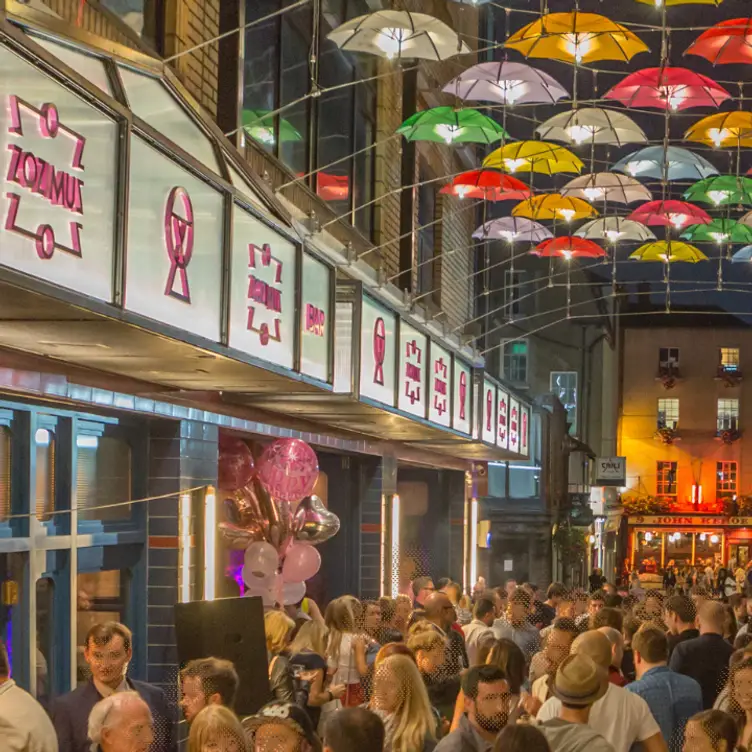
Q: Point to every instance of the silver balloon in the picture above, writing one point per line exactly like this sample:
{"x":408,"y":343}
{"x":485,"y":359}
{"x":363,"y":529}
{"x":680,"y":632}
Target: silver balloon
{"x":314,"y":523}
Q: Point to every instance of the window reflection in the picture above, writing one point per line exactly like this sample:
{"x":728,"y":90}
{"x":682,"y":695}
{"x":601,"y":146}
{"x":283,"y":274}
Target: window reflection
{"x":103,"y":477}
{"x":140,"y":15}
{"x":11,"y":613}
{"x":5,"y":444}
{"x":45,"y":473}
{"x":45,"y":644}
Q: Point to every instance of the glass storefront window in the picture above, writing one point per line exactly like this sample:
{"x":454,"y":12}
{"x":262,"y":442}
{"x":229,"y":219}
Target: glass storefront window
{"x":139,"y":15}
{"x":103,"y":477}
{"x":101,"y":597}
{"x":44,"y":441}
{"x":45,"y":641}
{"x":5,"y":444}
{"x":12,"y":629}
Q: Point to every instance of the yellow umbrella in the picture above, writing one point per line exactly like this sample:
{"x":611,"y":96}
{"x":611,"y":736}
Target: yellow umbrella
{"x":724,"y":129}
{"x":669,"y":252}
{"x":579,"y":37}
{"x":554,"y":206}
{"x":533,"y":156}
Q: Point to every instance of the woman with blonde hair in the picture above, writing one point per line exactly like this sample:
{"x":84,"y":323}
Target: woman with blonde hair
{"x":400,"y":699}
{"x":428,"y":646}
{"x":278,"y":627}
{"x":217,"y":729}
{"x":345,"y":651}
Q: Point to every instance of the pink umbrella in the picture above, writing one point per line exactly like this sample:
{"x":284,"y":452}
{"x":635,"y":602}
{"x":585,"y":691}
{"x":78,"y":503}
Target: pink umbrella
{"x":672,"y":88}
{"x":672,"y":213}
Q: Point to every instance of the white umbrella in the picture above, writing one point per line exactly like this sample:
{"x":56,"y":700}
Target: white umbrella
{"x":399,"y":34}
{"x":592,"y":125}
{"x":615,"y":228}
{"x":607,"y":186}
{"x":513,"y":229}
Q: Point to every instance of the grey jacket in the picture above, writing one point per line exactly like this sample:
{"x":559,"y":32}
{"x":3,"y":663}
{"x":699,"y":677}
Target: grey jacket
{"x":464,"y":739}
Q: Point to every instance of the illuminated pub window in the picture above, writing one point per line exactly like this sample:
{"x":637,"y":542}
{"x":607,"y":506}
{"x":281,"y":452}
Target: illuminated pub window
{"x":725,"y":482}
{"x":668,"y":413}
{"x":728,"y":414}
{"x":729,"y":359}
{"x":666,"y":479}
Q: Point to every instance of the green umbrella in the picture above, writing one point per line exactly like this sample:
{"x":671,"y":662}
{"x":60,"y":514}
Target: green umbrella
{"x":448,"y":125}
{"x":719,"y":231}
{"x":259,"y":125}
{"x":719,"y":190}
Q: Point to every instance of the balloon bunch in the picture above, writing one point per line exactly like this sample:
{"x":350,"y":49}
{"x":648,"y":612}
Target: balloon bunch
{"x":271,"y":515}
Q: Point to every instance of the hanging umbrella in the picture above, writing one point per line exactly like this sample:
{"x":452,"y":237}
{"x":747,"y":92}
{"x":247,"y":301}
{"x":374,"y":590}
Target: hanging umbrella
{"x":447,"y":125}
{"x":513,"y":229}
{"x":576,"y":37}
{"x":719,"y":231}
{"x":534,"y":156}
{"x":592,"y":125}
{"x":725,"y":129}
{"x":607,"y":186}
{"x":568,"y":247}
{"x":682,"y":164}
{"x":668,"y":88}
{"x":259,"y":125}
{"x":742,"y":255}
{"x":721,"y":190}
{"x":615,"y":228}
{"x":728,"y":42}
{"x":668,"y":252}
{"x":489,"y":185}
{"x":399,"y":34}
{"x":746,"y":219}
{"x":678,"y":214}
{"x":554,"y":206}
{"x":506,"y":83}
{"x":669,"y":3}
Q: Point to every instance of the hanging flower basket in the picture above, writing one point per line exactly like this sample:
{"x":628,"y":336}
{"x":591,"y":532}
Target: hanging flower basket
{"x":644,"y":505}
{"x":729,"y":436}
{"x":729,"y":378}
{"x":668,"y":377}
{"x":744,"y":506}
{"x":666,"y":435}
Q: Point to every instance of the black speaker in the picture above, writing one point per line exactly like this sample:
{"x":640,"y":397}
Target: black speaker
{"x":233,"y":629}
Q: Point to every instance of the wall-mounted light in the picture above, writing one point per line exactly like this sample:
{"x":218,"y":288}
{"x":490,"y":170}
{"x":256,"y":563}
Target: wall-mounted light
{"x":184,"y":532}
{"x":395,"y":544}
{"x":473,"y":541}
{"x":648,"y":537}
{"x":86,"y":441}
{"x":714,"y":539}
{"x":210,"y":543}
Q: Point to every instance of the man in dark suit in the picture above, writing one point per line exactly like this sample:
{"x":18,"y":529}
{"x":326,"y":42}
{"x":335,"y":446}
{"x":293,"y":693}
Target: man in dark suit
{"x":705,"y":658}
{"x":108,"y":650}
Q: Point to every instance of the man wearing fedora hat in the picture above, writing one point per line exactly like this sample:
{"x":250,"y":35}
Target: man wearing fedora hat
{"x":579,"y":682}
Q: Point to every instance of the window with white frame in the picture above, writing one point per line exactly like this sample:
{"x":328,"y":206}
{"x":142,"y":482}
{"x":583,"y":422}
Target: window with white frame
{"x":512,"y":293}
{"x":515,"y":361}
{"x":668,"y":358}
{"x":668,"y":413}
{"x":564,"y":386}
{"x":728,"y":415}
{"x":666,"y":479}
{"x":729,"y":359}
{"x":725,"y":478}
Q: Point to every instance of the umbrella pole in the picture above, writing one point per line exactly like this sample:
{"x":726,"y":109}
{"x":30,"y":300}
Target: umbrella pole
{"x":667,"y":280}
{"x":569,"y":287}
{"x":486,"y":275}
{"x":613,"y":269}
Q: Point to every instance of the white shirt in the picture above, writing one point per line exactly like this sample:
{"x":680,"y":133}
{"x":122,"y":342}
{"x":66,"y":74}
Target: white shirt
{"x":24,"y":726}
{"x":346,"y":669}
{"x":476,"y":634}
{"x":621,"y":717}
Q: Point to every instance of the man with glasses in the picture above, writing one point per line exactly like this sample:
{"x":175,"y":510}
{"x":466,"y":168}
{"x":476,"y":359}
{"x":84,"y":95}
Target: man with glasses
{"x":108,"y":651}
{"x":422,"y":588}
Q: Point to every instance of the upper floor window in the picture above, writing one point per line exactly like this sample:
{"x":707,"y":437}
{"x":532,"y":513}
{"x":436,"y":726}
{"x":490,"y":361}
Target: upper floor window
{"x":515,"y":361}
{"x":564,"y":386}
{"x":426,"y":232}
{"x":103,"y":478}
{"x":728,"y":415}
{"x":5,"y":445}
{"x":140,"y":15}
{"x":726,"y":476}
{"x":729,"y":359}
{"x":668,"y":359}
{"x":665,"y":479}
{"x":668,"y":413}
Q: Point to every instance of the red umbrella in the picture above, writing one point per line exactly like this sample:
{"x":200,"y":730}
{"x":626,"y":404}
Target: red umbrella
{"x":726,"y":42}
{"x":569,"y":247}
{"x":488,"y":184}
{"x":677,"y":214}
{"x":674,"y":88}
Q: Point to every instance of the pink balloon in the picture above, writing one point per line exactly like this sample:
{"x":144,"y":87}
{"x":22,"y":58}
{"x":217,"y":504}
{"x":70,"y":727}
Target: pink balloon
{"x":260,"y":561}
{"x":289,"y":469}
{"x":293,"y":592}
{"x":236,"y":466}
{"x":301,"y":563}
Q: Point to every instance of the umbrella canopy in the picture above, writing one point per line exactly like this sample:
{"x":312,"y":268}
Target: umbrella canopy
{"x":678,"y":214}
{"x":719,"y":231}
{"x":668,"y":252}
{"x":721,"y":190}
{"x":682,"y":164}
{"x":534,"y":156}
{"x":487,"y":184}
{"x":578,"y":37}
{"x":668,"y":88}
{"x":399,"y":34}
{"x":743,"y":255}
{"x":607,"y":186}
{"x":513,"y":229}
{"x":725,"y":129}
{"x":669,"y":3}
{"x":592,"y":125}
{"x":506,"y":83}
{"x":554,"y":206}
{"x":746,"y":219}
{"x":259,"y":125}
{"x":728,"y":42}
{"x":447,"y":125}
{"x":614,"y":229}
{"x":568,"y":247}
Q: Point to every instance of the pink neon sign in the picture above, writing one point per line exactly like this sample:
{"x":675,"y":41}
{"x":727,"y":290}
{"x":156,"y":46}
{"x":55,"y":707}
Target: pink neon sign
{"x":413,"y":371}
{"x":440,"y":384}
{"x":502,"y":419}
{"x":264,"y":294}
{"x":463,"y":395}
{"x":39,"y":177}
{"x":178,"y":236}
{"x":379,"y":350}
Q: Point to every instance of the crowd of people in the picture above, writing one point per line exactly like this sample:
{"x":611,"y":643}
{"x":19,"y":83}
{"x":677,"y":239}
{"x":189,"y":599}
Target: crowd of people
{"x":504,"y":669}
